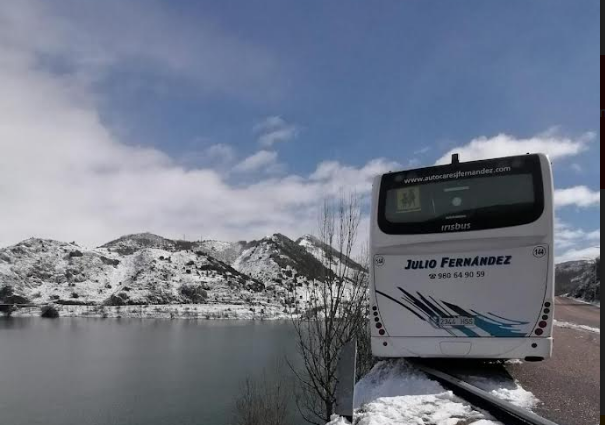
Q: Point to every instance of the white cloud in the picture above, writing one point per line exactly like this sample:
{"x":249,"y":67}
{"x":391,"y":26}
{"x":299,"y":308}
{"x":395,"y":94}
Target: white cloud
{"x":259,"y":160}
{"x":334,"y":176}
{"x":413,"y":163}
{"x":422,"y":151}
{"x":550,"y":143}
{"x":219,"y":157}
{"x":64,"y":176}
{"x":577,"y":168}
{"x":594,"y":235}
{"x":270,"y":123}
{"x":572,"y":243}
{"x":221,"y":152}
{"x":589,"y":253}
{"x":91,"y":39}
{"x":580,"y":196}
{"x":274,"y":130}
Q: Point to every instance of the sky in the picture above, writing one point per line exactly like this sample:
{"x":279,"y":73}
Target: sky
{"x":233,"y":120}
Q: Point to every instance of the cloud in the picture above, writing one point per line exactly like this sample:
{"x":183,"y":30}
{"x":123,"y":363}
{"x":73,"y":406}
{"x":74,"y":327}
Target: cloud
{"x":219,"y":157}
{"x":572,"y":243}
{"x":221,"y":152}
{"x":589,"y":253}
{"x":594,"y":235}
{"x":64,"y":175}
{"x":334,"y":176}
{"x":270,"y":123}
{"x":422,"y":150}
{"x":550,"y":143}
{"x":90,"y":40}
{"x":275,"y":130}
{"x":577,"y":168}
{"x":257,"y":161}
{"x":413,"y":163}
{"x":579,"y":196}
{"x":567,"y":236}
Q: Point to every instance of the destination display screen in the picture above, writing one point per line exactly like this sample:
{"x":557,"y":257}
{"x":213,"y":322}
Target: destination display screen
{"x":462,"y":197}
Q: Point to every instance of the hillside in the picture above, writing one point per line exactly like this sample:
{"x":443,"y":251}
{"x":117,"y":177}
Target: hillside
{"x":146,"y":269}
{"x":227,"y":252}
{"x":130,"y":244}
{"x":280,"y":261}
{"x":131,"y":271}
{"x":579,"y":279}
{"x":328,"y":255}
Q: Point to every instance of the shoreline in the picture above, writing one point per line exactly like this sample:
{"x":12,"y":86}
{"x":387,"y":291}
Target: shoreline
{"x":165,"y":311}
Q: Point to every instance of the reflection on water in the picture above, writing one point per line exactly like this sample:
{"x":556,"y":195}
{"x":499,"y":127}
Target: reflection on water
{"x":110,"y":372}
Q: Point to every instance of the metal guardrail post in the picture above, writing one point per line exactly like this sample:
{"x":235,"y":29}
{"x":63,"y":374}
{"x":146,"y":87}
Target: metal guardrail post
{"x":345,"y":381}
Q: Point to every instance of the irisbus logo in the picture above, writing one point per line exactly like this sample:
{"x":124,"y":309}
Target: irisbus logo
{"x":455,"y":227}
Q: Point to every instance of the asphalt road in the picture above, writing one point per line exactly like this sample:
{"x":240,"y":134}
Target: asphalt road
{"x":568,"y":384}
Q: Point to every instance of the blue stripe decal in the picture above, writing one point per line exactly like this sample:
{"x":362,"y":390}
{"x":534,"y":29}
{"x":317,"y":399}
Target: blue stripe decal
{"x":432,"y":312}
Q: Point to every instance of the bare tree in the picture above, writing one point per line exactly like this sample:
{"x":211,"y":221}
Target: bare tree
{"x":337,"y":311}
{"x":264,"y":401}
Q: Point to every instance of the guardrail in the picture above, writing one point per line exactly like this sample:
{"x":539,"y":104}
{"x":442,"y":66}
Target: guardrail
{"x":502,"y":410}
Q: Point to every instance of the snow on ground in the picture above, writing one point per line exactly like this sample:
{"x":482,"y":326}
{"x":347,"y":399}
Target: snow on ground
{"x":338,"y":420}
{"x":580,"y":300}
{"x":505,"y":389}
{"x":394,"y":392}
{"x":577,"y":327}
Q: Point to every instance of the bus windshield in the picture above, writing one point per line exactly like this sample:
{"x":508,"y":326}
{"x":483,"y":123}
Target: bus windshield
{"x":471,"y":197}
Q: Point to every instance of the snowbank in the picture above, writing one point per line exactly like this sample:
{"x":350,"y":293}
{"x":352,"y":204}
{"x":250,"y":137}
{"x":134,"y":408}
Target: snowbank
{"x":577,"y":327}
{"x":394,"y":392}
{"x":337,"y":420}
{"x":505,"y":389}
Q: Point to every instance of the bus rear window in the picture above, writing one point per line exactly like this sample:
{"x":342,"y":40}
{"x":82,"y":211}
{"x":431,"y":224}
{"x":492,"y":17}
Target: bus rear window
{"x":443,"y":202}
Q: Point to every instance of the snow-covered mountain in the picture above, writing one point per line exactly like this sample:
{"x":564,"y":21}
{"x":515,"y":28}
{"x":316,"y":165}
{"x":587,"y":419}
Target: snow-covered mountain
{"x":278,"y":260}
{"x":130,"y":244}
{"x":139,"y":269}
{"x":227,"y":252}
{"x":329,"y":256}
{"x":579,"y":279}
{"x":149,"y":269}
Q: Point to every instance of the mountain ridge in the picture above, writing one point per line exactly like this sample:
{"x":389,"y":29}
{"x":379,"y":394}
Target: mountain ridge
{"x":148,"y":269}
{"x":579,"y":279}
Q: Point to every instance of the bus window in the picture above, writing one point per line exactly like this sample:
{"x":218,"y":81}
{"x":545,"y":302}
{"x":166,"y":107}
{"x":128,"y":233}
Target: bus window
{"x":439,"y":199}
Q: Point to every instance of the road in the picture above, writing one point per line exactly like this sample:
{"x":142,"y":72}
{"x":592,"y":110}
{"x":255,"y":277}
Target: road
{"x":569,"y":384}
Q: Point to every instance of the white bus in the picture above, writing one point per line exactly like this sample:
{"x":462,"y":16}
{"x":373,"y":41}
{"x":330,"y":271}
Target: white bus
{"x":463,"y":260}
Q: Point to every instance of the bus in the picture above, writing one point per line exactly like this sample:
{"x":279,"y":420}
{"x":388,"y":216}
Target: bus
{"x":462,"y":260}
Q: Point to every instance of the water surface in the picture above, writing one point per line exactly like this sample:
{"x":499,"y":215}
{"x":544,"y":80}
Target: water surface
{"x":148,"y":372}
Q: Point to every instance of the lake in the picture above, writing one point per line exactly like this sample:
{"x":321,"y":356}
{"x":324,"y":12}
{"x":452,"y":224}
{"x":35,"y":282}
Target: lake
{"x":113,"y":372}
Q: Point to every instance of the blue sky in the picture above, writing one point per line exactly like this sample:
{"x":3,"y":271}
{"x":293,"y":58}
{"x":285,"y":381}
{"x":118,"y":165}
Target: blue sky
{"x":234,"y":119}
